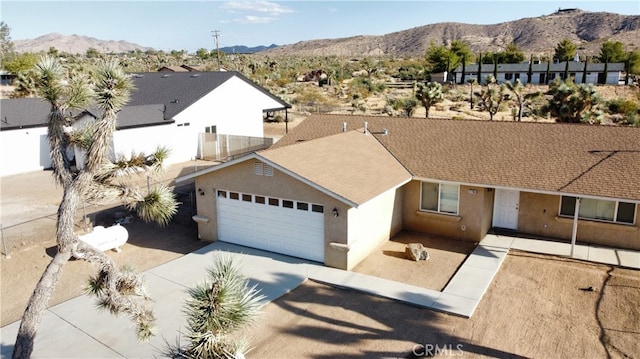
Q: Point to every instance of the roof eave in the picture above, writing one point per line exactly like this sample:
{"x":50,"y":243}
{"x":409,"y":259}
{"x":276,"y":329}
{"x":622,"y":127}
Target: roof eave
{"x":524,"y":189}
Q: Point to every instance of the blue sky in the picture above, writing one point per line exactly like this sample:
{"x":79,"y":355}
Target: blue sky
{"x":189,"y":25}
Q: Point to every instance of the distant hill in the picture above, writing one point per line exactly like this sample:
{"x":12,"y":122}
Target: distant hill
{"x":75,"y":44}
{"x":537,"y":35}
{"x":241,"y":49}
{"x":534,"y":35}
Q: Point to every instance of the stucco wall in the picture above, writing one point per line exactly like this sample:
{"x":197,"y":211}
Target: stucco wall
{"x":471,"y":224}
{"x":240,"y":178}
{"x":181,"y":141}
{"x":24,"y":150}
{"x":373,"y":223}
{"x":539,"y":216}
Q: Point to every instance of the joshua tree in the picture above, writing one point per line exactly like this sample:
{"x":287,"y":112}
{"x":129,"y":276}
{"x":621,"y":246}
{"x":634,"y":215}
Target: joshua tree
{"x":573,"y":103}
{"x":521,"y":99}
{"x":491,"y":96}
{"x":99,"y":180}
{"x":216,"y":309}
{"x":429,"y":94}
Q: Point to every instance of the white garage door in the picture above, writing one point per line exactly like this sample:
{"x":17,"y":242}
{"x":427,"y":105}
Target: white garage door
{"x":274,"y":224}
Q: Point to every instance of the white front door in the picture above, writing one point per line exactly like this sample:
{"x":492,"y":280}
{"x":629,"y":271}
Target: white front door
{"x":505,"y":209}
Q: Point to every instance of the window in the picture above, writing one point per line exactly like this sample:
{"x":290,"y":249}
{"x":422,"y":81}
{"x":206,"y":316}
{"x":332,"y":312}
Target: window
{"x":508,"y":76}
{"x":260,"y":199}
{"x":439,"y":197}
{"x":317,"y":208}
{"x":274,"y":202}
{"x":246,"y":197}
{"x":211,"y":129}
{"x":302,"y":206}
{"x":234,"y":195}
{"x":599,"y":209}
{"x":287,"y":204}
{"x":222,"y":194}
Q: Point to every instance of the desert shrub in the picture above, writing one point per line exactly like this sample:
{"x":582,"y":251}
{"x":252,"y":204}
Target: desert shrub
{"x":406,"y":106}
{"x":622,"y":106}
{"x":366,"y":86}
{"x":457,"y":95}
{"x":308,"y":95}
{"x":410,"y":71}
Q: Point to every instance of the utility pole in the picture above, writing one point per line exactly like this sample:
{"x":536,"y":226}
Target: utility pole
{"x":216,"y":35}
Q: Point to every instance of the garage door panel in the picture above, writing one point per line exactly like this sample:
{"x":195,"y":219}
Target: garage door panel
{"x":289,"y":231}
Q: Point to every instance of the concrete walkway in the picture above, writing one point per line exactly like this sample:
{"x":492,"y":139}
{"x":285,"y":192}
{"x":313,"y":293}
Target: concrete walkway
{"x":75,"y":329}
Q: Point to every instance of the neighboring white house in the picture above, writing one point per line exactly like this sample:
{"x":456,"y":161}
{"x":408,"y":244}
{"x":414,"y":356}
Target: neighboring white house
{"x":165,"y":109}
{"x":537,"y":73}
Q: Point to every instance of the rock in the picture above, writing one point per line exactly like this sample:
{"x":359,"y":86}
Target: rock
{"x":416,"y":252}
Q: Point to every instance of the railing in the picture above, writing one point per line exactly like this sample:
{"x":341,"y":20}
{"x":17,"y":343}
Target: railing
{"x":218,"y":147}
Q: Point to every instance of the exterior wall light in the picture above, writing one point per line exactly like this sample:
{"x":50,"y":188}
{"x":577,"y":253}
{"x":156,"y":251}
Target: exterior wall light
{"x":335,"y":212}
{"x":200,"y":191}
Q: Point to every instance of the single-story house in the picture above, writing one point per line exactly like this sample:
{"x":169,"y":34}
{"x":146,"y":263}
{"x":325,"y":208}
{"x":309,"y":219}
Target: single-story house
{"x":595,"y":72}
{"x":165,"y":109}
{"x":337,"y":186}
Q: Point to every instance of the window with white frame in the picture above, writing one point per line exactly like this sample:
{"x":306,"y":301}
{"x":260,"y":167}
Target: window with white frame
{"x":439,"y":197}
{"x":599,"y":209}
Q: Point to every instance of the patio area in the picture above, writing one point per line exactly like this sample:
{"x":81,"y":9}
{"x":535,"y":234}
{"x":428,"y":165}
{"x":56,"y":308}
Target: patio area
{"x":389,"y":261}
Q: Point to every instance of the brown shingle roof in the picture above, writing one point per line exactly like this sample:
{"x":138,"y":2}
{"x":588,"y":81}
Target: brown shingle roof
{"x":589,"y":160}
{"x":352,"y":165}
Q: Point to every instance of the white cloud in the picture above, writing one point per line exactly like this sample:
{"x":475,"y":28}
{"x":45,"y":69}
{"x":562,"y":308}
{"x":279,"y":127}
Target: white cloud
{"x":251,"y":19}
{"x":271,"y":8}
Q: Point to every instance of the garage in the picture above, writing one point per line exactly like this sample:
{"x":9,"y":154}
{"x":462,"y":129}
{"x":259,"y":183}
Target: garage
{"x":278,"y":225}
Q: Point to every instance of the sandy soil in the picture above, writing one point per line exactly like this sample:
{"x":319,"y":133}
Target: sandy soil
{"x":534,"y":308}
{"x":29,"y":205}
{"x":389,"y":260}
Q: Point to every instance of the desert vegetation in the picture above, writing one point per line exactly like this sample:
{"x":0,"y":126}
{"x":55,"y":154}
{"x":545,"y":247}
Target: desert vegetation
{"x":387,"y":85}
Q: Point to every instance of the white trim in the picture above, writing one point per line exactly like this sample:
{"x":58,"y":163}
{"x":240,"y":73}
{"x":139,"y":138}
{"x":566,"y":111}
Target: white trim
{"x":308,"y":182}
{"x":523,"y":189}
{"x":215,"y":168}
{"x":274,"y":165}
{"x":440,"y":183}
{"x":615,"y":212}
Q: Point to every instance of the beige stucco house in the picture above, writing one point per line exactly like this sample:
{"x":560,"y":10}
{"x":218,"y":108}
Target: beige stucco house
{"x":336,"y":187}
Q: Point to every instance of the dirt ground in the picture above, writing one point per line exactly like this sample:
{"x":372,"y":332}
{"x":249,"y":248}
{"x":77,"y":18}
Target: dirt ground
{"x":29,"y":205}
{"x":389,"y":260}
{"x":534,"y":308}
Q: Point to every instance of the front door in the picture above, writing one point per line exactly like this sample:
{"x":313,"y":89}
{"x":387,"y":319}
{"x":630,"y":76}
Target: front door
{"x":505,"y":209}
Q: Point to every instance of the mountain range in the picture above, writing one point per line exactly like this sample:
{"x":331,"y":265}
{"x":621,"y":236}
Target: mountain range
{"x":535,"y":35}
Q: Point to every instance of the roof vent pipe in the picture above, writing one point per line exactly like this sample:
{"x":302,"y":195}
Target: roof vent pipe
{"x":344,"y":127}
{"x":385,"y":132}
{"x":366,"y":125}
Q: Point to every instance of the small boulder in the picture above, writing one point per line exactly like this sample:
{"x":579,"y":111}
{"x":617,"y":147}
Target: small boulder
{"x":416,"y":252}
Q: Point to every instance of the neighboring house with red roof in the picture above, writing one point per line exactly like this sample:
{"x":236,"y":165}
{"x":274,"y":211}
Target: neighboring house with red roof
{"x":331,"y":191}
{"x":172,"y":109}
